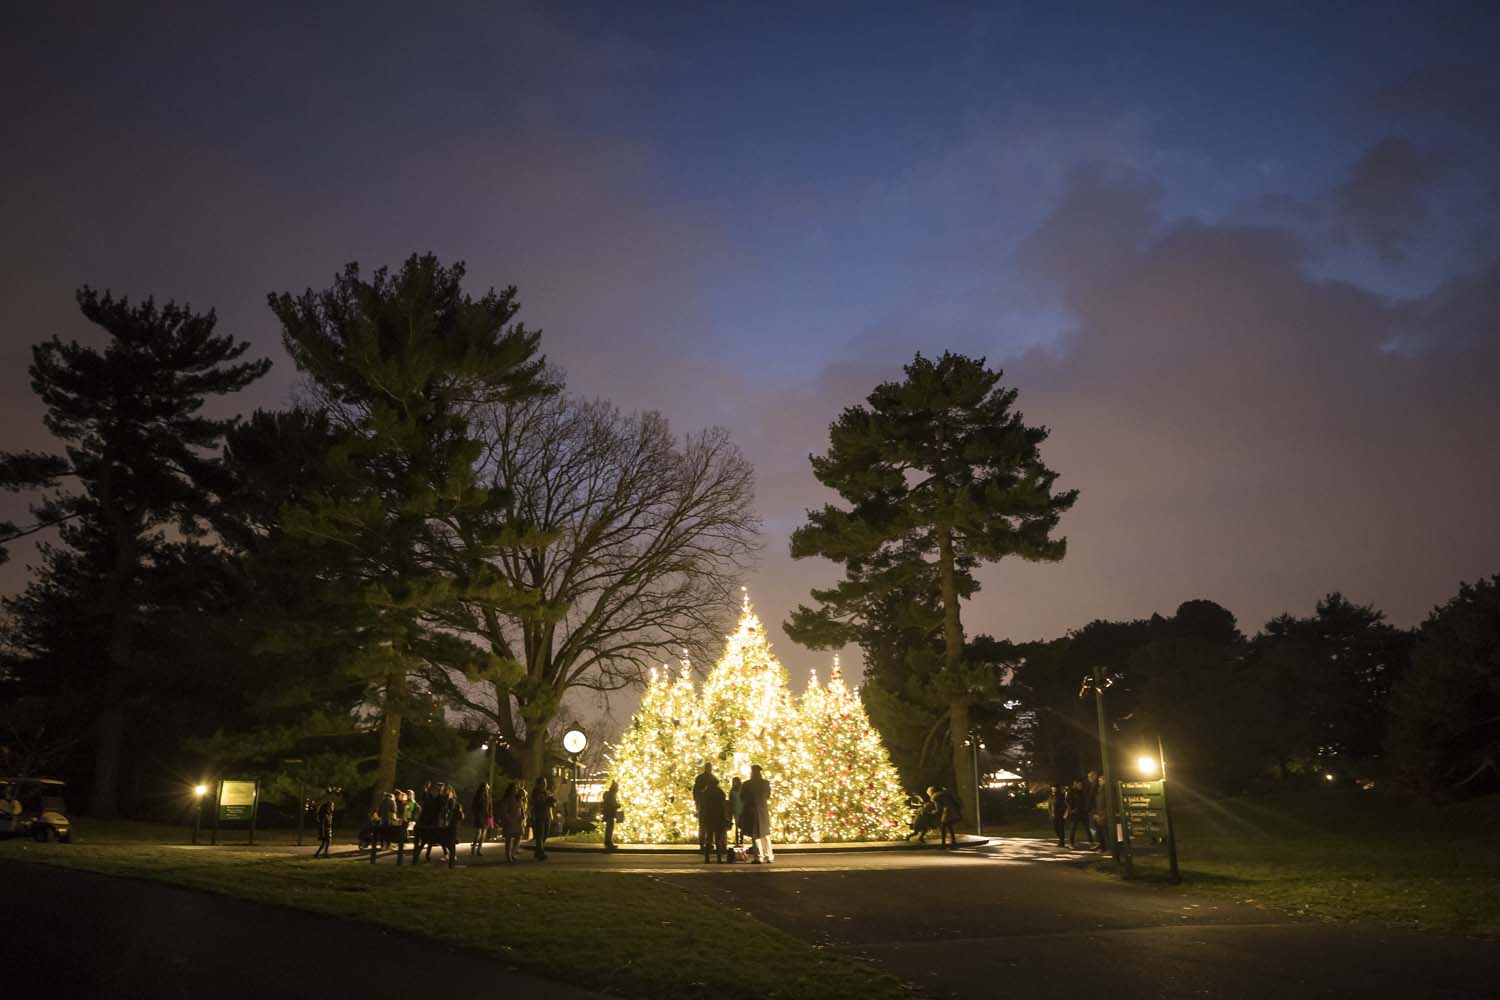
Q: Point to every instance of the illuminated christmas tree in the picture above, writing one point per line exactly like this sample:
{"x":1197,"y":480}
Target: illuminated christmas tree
{"x":855,"y":793}
{"x":657,"y":759}
{"x":752,"y":718}
{"x":830,"y":775}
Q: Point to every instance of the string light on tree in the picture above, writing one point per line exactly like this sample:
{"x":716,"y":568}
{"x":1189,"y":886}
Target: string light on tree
{"x":830,"y":772}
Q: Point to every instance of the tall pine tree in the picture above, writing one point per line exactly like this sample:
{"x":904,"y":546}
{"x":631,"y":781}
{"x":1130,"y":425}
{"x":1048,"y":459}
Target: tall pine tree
{"x":399,"y":361}
{"x":128,"y":498}
{"x":658,"y":758}
{"x":938,"y":473}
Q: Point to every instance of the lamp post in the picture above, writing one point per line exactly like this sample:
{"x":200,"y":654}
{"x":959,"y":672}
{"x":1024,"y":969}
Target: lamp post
{"x":1166,"y":808}
{"x":1111,"y":836}
{"x":198,"y":792}
{"x":978,"y":821}
{"x":575,"y":741}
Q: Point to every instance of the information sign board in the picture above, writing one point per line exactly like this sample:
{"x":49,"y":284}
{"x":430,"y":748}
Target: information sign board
{"x":1144,"y":805}
{"x":236,"y":801}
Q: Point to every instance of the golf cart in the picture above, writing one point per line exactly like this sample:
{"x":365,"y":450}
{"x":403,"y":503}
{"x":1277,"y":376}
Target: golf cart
{"x":34,"y":807}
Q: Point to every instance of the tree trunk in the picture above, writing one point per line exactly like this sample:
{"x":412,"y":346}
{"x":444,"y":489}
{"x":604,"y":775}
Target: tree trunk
{"x":963,"y":760}
{"x":953,"y":654}
{"x":104,"y":800}
{"x":390,"y":737}
{"x":533,"y":756}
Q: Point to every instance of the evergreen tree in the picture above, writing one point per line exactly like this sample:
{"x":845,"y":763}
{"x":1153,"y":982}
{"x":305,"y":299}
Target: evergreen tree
{"x":1323,"y":685}
{"x":659,"y":757}
{"x":140,"y":475}
{"x":1445,"y":714}
{"x":752,"y":716}
{"x":399,"y":361}
{"x":851,"y":790}
{"x":939,"y":473}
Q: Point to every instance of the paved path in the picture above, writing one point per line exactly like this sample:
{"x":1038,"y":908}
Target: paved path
{"x":1013,"y":919}
{"x":1018,"y":919}
{"x":76,"y":935}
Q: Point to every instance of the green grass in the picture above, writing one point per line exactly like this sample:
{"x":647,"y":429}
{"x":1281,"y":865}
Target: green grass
{"x":1344,"y":854}
{"x":628,"y":934}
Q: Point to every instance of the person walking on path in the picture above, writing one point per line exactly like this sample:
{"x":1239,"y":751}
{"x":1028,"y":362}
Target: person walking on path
{"x":426,"y":816}
{"x":453,"y":817}
{"x":483,"y":810}
{"x":949,"y":813}
{"x":1077,"y":813}
{"x":541,"y":816}
{"x":1099,"y":817}
{"x":387,"y":819}
{"x":699,"y":784}
{"x":1057,"y":805}
{"x":757,"y":795}
{"x":713,"y":807}
{"x":512,"y":820}
{"x":325,"y":828}
{"x":611,"y":813}
{"x":736,"y":807}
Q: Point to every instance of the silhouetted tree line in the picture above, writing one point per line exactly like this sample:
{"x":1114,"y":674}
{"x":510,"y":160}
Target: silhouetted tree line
{"x":1341,"y":692}
{"x":435,"y":538}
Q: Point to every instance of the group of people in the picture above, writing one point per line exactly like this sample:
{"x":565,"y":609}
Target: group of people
{"x":1079,"y":804}
{"x":745,"y":807}
{"x":434,"y":818}
{"x":939,"y":810}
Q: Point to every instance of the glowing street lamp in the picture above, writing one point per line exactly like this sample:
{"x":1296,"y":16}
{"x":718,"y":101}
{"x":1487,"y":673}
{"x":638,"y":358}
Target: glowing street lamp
{"x":198,"y":792}
{"x":1146,"y":764}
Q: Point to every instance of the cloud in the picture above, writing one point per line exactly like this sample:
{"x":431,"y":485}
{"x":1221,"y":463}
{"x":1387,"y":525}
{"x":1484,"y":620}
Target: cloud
{"x":1382,"y":198}
{"x":1243,"y":431}
{"x":1463,"y":93}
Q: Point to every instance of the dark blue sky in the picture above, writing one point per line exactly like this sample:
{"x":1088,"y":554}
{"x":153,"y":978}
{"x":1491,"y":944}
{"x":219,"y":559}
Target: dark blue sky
{"x":1243,"y":262}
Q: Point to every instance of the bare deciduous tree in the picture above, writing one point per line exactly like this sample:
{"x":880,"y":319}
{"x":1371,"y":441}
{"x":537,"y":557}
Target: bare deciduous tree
{"x":619,"y":545}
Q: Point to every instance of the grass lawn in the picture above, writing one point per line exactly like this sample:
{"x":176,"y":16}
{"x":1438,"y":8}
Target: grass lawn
{"x":1343,"y":854}
{"x":629,"y":934}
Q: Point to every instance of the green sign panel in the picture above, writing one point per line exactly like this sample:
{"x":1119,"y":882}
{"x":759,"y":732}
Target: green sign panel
{"x":236,"y":801}
{"x":1145,"y":814}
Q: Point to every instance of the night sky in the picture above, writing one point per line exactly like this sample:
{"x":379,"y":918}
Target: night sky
{"x":1245,"y":266}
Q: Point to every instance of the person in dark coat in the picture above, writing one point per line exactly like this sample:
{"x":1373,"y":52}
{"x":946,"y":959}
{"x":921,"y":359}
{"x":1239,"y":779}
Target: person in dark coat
{"x":611,"y":808}
{"x":924,"y":818}
{"x":1100,"y":815}
{"x":426,"y":817}
{"x":699,"y":783}
{"x":325,"y":828}
{"x":541,"y":816}
{"x":1079,"y":798}
{"x":949,"y":814}
{"x":483,"y":812}
{"x":452,"y":818}
{"x":1057,"y":805}
{"x":736,"y":807}
{"x":757,"y":820}
{"x":713,"y":813}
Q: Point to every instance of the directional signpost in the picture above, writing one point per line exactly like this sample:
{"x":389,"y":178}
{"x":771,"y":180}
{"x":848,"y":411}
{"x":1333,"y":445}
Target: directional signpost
{"x":1147,"y":817}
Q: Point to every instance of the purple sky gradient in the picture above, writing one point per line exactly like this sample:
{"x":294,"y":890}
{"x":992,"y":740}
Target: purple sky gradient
{"x":1247,"y":267}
